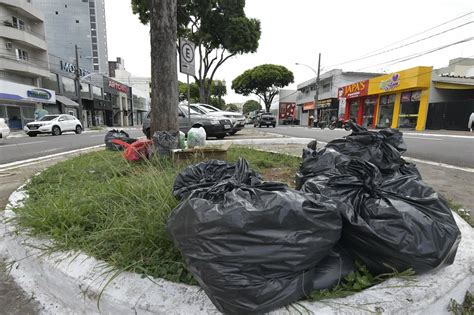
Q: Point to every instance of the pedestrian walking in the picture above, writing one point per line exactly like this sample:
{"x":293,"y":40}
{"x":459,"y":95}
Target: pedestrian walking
{"x":470,"y":124}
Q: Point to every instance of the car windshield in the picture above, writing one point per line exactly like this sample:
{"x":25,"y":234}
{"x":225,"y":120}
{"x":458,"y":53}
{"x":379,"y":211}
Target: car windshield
{"x":48,"y":117}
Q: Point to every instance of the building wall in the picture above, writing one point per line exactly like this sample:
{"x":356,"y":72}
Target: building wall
{"x":69,"y":23}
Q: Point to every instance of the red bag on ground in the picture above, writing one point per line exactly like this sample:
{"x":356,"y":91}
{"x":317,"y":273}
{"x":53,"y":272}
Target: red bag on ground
{"x":139,"y":150}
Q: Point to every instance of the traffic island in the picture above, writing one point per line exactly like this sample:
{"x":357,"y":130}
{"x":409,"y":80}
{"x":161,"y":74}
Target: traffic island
{"x":73,"y":282}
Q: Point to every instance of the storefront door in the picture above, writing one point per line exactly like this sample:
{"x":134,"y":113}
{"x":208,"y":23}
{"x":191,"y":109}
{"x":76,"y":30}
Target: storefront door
{"x":409,"y":107}
{"x":368,"y":113}
{"x":14,"y":117}
{"x":387,"y":103}
{"x":353,"y":110}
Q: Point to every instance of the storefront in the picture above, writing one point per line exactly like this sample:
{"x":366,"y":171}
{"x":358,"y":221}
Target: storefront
{"x":120,"y":96}
{"x":18,"y":102}
{"x":396,"y":100}
{"x":327,"y":109}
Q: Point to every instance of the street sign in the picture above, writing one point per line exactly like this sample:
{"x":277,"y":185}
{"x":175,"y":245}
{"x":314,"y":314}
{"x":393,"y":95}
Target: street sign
{"x":186,"y":56}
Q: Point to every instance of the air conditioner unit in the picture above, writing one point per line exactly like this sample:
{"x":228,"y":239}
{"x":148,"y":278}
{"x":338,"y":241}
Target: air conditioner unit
{"x":9,"y":45}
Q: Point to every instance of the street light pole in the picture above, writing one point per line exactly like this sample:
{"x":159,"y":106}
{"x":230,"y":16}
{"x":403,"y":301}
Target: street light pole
{"x":316,"y":94}
{"x":78,"y":88}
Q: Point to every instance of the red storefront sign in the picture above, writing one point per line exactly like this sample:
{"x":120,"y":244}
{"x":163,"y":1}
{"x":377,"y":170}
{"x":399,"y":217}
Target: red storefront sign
{"x":354,"y":90}
{"x":287,"y":110}
{"x":119,"y":87}
{"x":308,"y":106}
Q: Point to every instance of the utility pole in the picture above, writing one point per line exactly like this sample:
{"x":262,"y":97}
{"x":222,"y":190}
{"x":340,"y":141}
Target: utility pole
{"x":316,"y":94}
{"x":78,"y":88}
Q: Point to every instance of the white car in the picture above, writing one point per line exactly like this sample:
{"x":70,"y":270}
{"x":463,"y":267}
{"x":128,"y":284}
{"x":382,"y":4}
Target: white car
{"x":53,"y":124}
{"x":237,"y":119}
{"x":4,"y":130}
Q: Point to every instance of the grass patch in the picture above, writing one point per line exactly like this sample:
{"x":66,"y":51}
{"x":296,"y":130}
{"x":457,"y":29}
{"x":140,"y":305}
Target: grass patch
{"x":96,"y":128}
{"x":116,"y":211}
{"x":463,"y":213}
{"x":466,"y":308}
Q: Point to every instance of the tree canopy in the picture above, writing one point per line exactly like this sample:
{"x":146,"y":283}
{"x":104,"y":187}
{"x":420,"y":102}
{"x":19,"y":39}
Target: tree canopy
{"x":250,"y":106}
{"x":219,"y":29}
{"x":264,"y":81}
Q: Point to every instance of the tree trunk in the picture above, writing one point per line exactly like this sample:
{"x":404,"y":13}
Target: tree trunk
{"x":202,"y":94}
{"x":164,"y":76}
{"x":267,"y":107}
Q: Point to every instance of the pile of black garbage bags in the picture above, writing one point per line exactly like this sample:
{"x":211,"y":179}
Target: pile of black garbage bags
{"x":254,"y":246}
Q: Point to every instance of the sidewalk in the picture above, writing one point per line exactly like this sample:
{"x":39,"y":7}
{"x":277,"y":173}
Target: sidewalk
{"x":21,"y":133}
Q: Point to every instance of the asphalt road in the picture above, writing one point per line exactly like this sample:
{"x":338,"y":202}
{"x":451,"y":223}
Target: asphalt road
{"x":18,"y":149}
{"x":446,"y":149}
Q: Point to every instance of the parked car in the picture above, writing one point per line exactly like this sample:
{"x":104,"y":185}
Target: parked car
{"x":290,"y":121}
{"x":265,"y":119}
{"x":237,"y":119}
{"x":4,"y":130}
{"x":53,"y":124}
{"x":215,"y":126}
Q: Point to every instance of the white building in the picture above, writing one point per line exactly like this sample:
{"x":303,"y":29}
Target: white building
{"x":23,"y":62}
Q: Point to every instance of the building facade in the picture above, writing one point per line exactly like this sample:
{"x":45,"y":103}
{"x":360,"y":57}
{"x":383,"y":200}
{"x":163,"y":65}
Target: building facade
{"x":396,"y":100}
{"x":328,"y":104}
{"x":82,"y":23}
{"x":141,"y":97}
{"x":23,"y":63}
{"x":451,"y":99}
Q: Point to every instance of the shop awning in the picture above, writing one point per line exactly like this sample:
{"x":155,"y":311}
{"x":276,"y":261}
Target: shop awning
{"x":66,"y":100}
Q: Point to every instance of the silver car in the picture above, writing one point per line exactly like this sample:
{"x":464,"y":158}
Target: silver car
{"x":53,"y":124}
{"x":237,"y":119}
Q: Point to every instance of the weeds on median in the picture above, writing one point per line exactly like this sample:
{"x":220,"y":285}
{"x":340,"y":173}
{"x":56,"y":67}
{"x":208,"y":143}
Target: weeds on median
{"x":116,"y":211}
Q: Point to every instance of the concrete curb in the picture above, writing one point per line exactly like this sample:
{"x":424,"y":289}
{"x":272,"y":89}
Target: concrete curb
{"x":71,"y":282}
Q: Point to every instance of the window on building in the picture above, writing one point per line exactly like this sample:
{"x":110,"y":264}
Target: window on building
{"x":77,"y":21}
{"x":409,"y":106}
{"x":91,"y":4}
{"x":51,"y":82}
{"x":95,"y":60}
{"x":21,"y":54}
{"x":85,"y":90}
{"x":65,"y":5}
{"x":96,"y":67}
{"x":93,"y":32}
{"x":68,"y":85}
{"x":57,"y":12}
{"x":386,"y":111}
{"x":97,"y":91}
{"x":326,"y":87}
{"x":18,"y":23}
{"x":95,"y":54}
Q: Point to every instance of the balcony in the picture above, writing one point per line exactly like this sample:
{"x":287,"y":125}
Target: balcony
{"x":25,"y":8}
{"x":27,"y":68}
{"x":28,"y":38}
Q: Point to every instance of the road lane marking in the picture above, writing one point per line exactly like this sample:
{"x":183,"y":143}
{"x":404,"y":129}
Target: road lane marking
{"x":18,"y":144}
{"x":431,"y":139}
{"x":50,"y":150}
{"x":32,"y":161}
{"x":454,"y":167}
{"x":94,"y":136}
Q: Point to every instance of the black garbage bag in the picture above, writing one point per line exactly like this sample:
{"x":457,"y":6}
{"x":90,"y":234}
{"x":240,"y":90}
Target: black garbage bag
{"x":165,"y":141}
{"x":118,"y":135}
{"x":251,"y":245}
{"x":331,"y":271}
{"x":382,"y":148}
{"x":204,"y":174}
{"x":394,"y":223}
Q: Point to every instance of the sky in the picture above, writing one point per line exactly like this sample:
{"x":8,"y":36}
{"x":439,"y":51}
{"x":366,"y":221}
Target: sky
{"x":341,"y":30}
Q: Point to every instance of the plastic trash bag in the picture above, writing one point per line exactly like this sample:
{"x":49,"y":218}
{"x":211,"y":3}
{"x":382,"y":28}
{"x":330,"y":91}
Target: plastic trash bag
{"x":332,"y":269}
{"x":196,"y":137}
{"x":393,"y":223}
{"x":182,"y":140}
{"x":205,"y":174}
{"x":138,"y":150}
{"x":251,"y":245}
{"x":382,"y":148}
{"x":165,"y":141}
{"x":119,"y":135}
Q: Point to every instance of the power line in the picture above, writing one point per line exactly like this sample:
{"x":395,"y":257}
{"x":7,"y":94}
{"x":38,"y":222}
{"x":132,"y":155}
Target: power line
{"x":408,"y":44}
{"x":416,"y":55}
{"x":404,"y":39}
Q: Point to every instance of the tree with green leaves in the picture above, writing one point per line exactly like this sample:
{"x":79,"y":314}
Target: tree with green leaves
{"x":250,"y":106}
{"x":264,"y":81}
{"x":231,"y":107}
{"x":219,"y":29}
